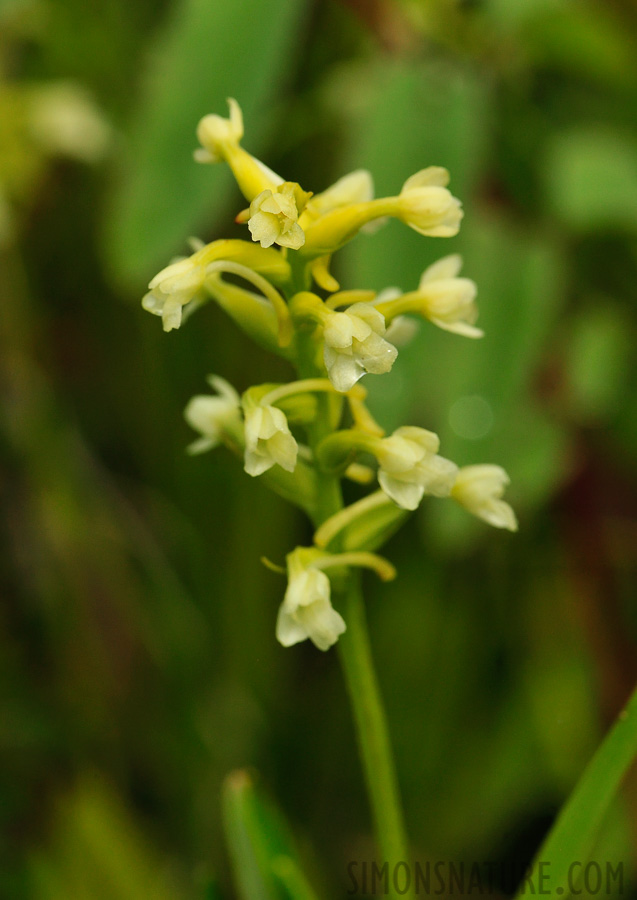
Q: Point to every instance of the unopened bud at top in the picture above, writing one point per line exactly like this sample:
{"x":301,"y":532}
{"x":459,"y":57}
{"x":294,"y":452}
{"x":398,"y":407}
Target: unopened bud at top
{"x":216,"y":134}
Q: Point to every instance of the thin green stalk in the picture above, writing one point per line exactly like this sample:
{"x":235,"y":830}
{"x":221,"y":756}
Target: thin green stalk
{"x":357,"y":664}
{"x":373,"y":736}
{"x":362,"y":686}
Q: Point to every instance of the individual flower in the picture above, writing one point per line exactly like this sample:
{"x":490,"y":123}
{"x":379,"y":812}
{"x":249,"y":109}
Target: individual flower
{"x":274,"y":216}
{"x":174,"y":287}
{"x":479,"y":489}
{"x":427,"y":206}
{"x":268,"y":439}
{"x":216,"y":134}
{"x":213,"y":416}
{"x":424,"y":204}
{"x":410,"y":466}
{"x":306,"y":611}
{"x":354,"y":345}
{"x":449,"y":301}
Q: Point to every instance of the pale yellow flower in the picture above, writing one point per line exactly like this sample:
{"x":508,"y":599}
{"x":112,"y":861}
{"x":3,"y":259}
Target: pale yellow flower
{"x":268,"y":440}
{"x":449,"y":301}
{"x":274,"y":217}
{"x":410,"y":466}
{"x":307,"y":611}
{"x":427,"y":206}
{"x":216,"y":134}
{"x":174,"y":287}
{"x":213,"y":416}
{"x":354,"y":345}
{"x":479,"y":489}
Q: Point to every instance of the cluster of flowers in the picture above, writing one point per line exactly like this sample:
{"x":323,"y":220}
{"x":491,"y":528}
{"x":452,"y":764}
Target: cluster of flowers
{"x":332,"y":341}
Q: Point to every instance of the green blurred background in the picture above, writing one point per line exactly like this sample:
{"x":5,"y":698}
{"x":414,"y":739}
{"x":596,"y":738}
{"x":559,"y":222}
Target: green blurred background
{"x":138,"y":660}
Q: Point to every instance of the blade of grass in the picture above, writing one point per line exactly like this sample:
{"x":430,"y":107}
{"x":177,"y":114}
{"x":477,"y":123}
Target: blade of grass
{"x":572,"y":838}
{"x":264,"y":861}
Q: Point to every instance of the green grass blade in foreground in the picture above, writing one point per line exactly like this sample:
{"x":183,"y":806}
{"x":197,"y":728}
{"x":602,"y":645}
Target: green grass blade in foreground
{"x":572,"y":837}
{"x":264,"y":862}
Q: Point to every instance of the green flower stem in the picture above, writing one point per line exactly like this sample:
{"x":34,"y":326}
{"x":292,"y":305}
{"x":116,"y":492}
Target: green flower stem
{"x":373,"y":736}
{"x":362,"y":685}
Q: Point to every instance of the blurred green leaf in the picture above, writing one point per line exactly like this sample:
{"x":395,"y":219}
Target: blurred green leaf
{"x":406,"y":116}
{"x":598,"y":357}
{"x":208,"y":51}
{"x":265,"y":864}
{"x":585,"y":38}
{"x":591,"y":178}
{"x":98,"y":852}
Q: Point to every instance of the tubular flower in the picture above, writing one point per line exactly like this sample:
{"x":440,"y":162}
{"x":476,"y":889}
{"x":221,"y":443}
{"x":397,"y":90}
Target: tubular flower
{"x":354,"y":345}
{"x":274,"y":216}
{"x":479,"y":489}
{"x":426,"y":205}
{"x":268,"y":439}
{"x":306,"y":611}
{"x":410,"y":467}
{"x":213,"y":416}
{"x":174,"y":287}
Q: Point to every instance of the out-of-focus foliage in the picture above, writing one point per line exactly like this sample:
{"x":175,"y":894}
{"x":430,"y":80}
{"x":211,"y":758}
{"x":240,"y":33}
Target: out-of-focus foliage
{"x":137,"y":654}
